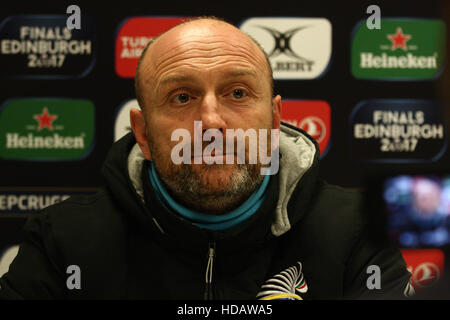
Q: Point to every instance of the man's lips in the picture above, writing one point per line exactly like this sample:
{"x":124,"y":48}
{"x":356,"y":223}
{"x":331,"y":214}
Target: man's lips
{"x":219,"y":153}
{"x":213,"y":156}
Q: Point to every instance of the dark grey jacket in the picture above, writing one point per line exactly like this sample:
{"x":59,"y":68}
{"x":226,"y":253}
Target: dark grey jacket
{"x":309,"y":240}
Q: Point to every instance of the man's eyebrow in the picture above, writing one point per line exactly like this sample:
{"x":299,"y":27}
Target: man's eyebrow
{"x":174,"y":78}
{"x":240,"y":73}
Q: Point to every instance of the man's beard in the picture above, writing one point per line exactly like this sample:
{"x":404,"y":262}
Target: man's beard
{"x":194,"y":188}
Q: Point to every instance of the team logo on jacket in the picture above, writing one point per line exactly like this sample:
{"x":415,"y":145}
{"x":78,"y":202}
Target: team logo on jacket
{"x":46,"y":129}
{"x":41,"y":46}
{"x":397,"y":130}
{"x":287,"y":285}
{"x":404,"y":49}
{"x":132,"y":37}
{"x":313,"y":116}
{"x":298,"y":48}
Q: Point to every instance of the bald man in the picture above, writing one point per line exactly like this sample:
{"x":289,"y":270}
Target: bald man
{"x":188,"y":212}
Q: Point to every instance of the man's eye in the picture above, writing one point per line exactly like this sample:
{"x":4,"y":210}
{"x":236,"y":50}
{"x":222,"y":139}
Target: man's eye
{"x":238,"y":93}
{"x":181,"y":98}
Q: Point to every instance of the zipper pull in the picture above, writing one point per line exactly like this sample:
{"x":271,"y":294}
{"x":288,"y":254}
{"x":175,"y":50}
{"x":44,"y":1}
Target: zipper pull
{"x":209,"y":272}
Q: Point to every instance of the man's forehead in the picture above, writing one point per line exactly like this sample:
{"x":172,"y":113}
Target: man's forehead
{"x":203,"y":32}
{"x":203,"y":28}
{"x":158,"y":58}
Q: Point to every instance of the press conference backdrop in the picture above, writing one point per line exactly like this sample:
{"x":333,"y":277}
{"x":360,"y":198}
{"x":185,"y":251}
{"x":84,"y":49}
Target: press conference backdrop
{"x":374,"y":94}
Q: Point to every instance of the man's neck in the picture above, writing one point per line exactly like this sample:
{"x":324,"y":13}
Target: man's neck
{"x":206,"y":219}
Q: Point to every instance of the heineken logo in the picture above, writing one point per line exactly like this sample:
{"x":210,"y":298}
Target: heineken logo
{"x":45,"y":120}
{"x":397,"y":130}
{"x":46,"y":129}
{"x":41,"y":46}
{"x":399,"y":39}
{"x":122,"y":125}
{"x":404,"y":49}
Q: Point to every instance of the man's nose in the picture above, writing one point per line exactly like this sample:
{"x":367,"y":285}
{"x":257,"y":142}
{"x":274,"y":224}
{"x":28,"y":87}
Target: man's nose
{"x":211,"y":113}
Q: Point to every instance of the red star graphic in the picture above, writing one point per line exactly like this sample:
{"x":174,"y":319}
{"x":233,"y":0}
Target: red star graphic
{"x":399,"y":39}
{"x":45,"y":119}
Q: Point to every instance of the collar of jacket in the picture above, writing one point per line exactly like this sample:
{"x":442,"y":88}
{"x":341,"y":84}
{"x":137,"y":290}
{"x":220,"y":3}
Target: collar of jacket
{"x":207,"y":221}
{"x":186,"y":233}
{"x":294,"y":183}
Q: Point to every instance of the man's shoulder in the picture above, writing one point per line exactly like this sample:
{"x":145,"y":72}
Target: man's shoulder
{"x":83,"y":207}
{"x":80,"y":220}
{"x":342,"y":208}
{"x":338,"y":199}
{"x":336,"y":215}
{"x":88,"y":231}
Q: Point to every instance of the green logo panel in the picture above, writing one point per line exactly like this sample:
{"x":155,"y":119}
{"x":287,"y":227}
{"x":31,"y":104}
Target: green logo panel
{"x":46,"y":129}
{"x":403,"y":49}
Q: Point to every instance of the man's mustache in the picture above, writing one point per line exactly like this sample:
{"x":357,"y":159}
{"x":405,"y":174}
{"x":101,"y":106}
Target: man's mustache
{"x":213,"y":145}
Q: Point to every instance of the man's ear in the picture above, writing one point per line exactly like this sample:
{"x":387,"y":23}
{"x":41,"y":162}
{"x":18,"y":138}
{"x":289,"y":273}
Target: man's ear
{"x":139,"y":128}
{"x":276,"y":112}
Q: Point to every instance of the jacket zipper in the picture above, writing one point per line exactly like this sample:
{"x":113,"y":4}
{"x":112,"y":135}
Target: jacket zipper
{"x":209,"y":271}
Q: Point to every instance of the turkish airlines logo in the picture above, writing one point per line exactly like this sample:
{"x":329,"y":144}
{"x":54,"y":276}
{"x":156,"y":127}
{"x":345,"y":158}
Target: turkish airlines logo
{"x":425,"y":265}
{"x":315,"y":127}
{"x":298,"y":48}
{"x":312,"y":116}
{"x":133,"y":36}
{"x":426,"y":274}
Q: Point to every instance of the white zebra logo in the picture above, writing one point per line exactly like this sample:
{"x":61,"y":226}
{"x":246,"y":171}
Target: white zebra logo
{"x":285,"y":286}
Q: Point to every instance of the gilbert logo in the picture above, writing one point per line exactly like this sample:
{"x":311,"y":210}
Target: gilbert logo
{"x":403,"y":49}
{"x":298,"y":48}
{"x":46,"y":129}
{"x":312,"y":116}
{"x":41,"y":46}
{"x":132,"y":37}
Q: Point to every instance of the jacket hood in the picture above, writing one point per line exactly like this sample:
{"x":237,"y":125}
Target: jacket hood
{"x":299,"y":154}
{"x":299,"y":157}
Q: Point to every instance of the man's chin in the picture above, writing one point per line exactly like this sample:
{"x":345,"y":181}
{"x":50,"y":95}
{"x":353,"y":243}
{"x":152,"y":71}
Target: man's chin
{"x":214,"y":188}
{"x":217,"y":178}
